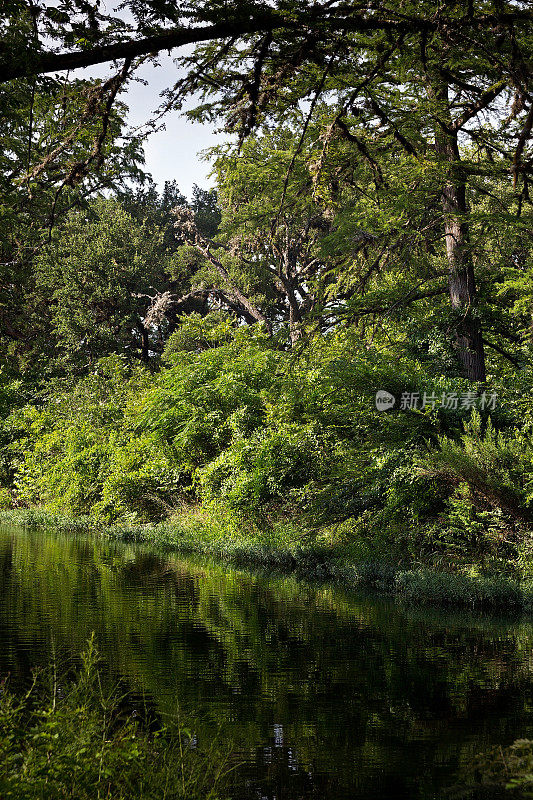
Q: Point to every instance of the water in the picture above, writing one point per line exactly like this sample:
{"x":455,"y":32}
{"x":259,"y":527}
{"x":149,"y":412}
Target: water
{"x":324,"y":694}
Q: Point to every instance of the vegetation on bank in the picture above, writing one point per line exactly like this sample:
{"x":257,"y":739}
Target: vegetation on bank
{"x":251,"y":453}
{"x":245,"y":450}
{"x":72,"y":735}
{"x":285,"y":552}
{"x":220,"y":355}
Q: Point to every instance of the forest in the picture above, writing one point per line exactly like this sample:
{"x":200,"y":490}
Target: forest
{"x":331,"y":351}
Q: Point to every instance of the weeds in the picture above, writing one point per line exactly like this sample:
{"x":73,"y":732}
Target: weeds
{"x":77,"y":737}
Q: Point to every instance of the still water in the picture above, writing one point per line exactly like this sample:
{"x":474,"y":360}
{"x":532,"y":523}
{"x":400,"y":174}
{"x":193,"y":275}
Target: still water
{"x":323,"y":694}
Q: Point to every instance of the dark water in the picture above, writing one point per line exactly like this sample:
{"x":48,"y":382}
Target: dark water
{"x":324,"y":694}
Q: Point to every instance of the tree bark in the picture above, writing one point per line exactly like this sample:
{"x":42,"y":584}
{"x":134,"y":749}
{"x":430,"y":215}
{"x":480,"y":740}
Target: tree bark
{"x":468,"y":338}
{"x":288,"y":281}
{"x":145,"y":342}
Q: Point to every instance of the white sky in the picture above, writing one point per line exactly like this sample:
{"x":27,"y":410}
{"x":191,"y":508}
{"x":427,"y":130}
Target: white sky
{"x":173,"y":153}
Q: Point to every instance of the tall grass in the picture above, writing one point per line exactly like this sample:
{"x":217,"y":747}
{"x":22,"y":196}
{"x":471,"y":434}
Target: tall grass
{"x":76,"y":737}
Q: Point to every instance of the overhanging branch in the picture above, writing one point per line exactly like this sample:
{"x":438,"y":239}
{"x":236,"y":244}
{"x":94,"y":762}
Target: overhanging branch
{"x":361,"y":21}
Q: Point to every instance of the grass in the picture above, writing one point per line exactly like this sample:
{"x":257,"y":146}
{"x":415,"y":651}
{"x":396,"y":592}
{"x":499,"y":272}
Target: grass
{"x":290,"y":553}
{"x":77,"y":737}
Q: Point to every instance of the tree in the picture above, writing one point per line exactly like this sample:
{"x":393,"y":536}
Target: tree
{"x":273,"y":228}
{"x":62,"y":142}
{"x":420,"y":78}
{"x":452,"y":105}
{"x":112,"y":280}
{"x":99,"y":277}
{"x":78,"y":34}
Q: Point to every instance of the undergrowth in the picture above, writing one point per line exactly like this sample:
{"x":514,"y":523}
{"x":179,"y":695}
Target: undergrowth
{"x":73,"y":735}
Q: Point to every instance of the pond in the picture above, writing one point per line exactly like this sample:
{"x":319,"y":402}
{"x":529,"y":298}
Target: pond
{"x":321,"y":693}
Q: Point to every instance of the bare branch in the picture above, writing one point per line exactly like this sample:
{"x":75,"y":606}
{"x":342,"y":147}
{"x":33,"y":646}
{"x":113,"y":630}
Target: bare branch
{"x":186,"y":225}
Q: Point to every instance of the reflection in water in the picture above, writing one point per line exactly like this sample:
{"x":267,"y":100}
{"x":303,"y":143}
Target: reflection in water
{"x":326,"y":694}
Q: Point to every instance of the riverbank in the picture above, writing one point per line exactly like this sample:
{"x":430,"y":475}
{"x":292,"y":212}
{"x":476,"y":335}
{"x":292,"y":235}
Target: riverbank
{"x":308,"y":560}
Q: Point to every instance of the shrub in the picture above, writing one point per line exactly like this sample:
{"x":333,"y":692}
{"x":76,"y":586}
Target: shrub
{"x":376,"y":575}
{"x":501,"y":768}
{"x":6,"y":499}
{"x":261,"y":435}
{"x":496,"y":466}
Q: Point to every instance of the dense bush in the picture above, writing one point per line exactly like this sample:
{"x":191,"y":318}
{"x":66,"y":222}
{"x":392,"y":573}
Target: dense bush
{"x":497,"y":466}
{"x":259,"y":435}
{"x":502,"y":768}
{"x":241,"y":423}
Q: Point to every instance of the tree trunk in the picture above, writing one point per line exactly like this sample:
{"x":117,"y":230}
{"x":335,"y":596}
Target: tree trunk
{"x":252,"y":310}
{"x":462,"y":286}
{"x":289,"y":281}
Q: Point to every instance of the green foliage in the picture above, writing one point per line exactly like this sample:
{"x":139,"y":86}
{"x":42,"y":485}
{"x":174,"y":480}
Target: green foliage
{"x":71,"y":736}
{"x":233,"y":422}
{"x":466,"y":532}
{"x":62,"y":143}
{"x":334,"y":223}
{"x":497,"y":466}
{"x":99,"y":275}
{"x":251,"y":438}
{"x":508,"y":767}
{"x":448,"y":589}
{"x":5,"y":499}
{"x":198,"y":333}
{"x":83,"y":454}
{"x":13,"y":394}
{"x":259,"y":428}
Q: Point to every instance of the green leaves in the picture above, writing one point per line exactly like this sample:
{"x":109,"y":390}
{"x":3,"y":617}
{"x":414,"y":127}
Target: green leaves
{"x":496,"y":466}
{"x":230,"y":419}
{"x":81,"y":738}
{"x":99,"y":275}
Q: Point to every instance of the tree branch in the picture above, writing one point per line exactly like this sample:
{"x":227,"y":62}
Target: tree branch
{"x":524,"y":136}
{"x":186,"y":225}
{"x":347,"y":21}
{"x":485,"y":99}
{"x":505,"y":353}
{"x":42,"y":63}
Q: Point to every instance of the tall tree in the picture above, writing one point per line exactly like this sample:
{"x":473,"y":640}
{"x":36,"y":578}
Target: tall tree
{"x":432,"y":80}
{"x":98,"y":277}
{"x":62,"y":142}
{"x":441,"y":90}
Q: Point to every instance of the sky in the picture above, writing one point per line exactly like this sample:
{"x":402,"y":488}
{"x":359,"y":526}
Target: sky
{"x":173,"y":153}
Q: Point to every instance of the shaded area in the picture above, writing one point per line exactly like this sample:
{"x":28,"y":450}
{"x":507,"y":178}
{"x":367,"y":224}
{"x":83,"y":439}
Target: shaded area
{"x":325,"y":693}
